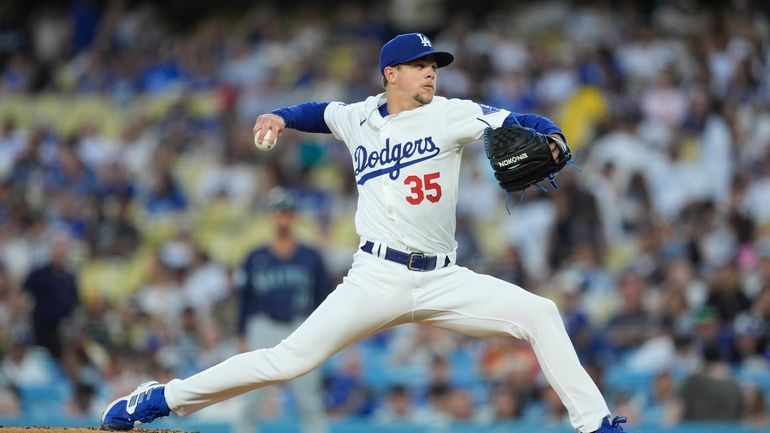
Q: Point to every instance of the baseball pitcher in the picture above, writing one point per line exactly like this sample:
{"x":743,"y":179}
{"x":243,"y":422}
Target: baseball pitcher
{"x":406,"y":145}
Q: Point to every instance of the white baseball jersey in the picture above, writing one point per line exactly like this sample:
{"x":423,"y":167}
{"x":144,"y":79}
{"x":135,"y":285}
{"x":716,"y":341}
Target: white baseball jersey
{"x":407,"y":167}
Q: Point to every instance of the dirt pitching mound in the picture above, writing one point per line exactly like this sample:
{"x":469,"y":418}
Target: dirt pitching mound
{"x":77,"y":430}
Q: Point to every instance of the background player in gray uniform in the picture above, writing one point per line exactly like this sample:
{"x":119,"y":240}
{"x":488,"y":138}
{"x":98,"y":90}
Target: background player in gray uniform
{"x":281,"y":283}
{"x":406,"y":145}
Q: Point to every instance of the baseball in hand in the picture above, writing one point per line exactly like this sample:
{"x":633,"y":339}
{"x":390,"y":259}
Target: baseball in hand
{"x":265,"y":144}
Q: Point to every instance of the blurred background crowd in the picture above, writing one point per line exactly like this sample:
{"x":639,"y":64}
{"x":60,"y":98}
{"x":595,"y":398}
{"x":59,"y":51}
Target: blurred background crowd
{"x":130,"y":193}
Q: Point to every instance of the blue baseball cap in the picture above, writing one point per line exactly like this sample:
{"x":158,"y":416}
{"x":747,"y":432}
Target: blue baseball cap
{"x":411,"y":46}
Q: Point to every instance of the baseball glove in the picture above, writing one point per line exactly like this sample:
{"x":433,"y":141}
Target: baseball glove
{"x":521,"y":157}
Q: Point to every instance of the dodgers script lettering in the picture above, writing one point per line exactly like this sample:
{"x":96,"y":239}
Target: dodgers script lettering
{"x":392,"y":158}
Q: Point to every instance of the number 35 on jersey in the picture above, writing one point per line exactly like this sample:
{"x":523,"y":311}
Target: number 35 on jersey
{"x":423,"y":188}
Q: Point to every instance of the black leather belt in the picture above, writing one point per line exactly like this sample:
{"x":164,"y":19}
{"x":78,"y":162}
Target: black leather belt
{"x":412,"y":261}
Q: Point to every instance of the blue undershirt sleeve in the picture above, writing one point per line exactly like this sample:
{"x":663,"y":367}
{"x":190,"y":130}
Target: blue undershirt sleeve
{"x":540,"y":124}
{"x":305,"y":117}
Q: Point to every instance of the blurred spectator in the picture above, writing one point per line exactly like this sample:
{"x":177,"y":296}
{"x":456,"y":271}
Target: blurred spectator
{"x":185,"y":351}
{"x":655,"y":354}
{"x":476,"y":201}
{"x":54,"y":294}
{"x":10,"y":401}
{"x":162,"y":297}
{"x":631,"y":326}
{"x":28,"y":164}
{"x":94,"y":149}
{"x":662,"y":403}
{"x":609,"y":192}
{"x":436,"y":411}
{"x":83,"y":403}
{"x":726,"y":293}
{"x":76,"y":364}
{"x":509,"y":267}
{"x":578,"y":223}
{"x":666,"y":102}
{"x":113,"y":234}
{"x":24,"y":366}
{"x":637,"y":206}
{"x":709,"y":332}
{"x":439,"y":375}
{"x":758,"y":278}
{"x":760,"y":310}
{"x":688,"y":358}
{"x":213,"y":346}
{"x":397,"y":406}
{"x":509,"y":361}
{"x":207,"y":283}
{"x":347,"y":394}
{"x":166,"y":196}
{"x":51,"y":33}
{"x":232,"y":179}
{"x":711,"y":394}
{"x":585,"y":270}
{"x":12,"y":143}
{"x":72,"y":215}
{"x":682,"y":291}
{"x":674,"y":311}
{"x":506,"y":404}
{"x":281,"y":284}
{"x":68,"y":173}
{"x":461,"y":407}
{"x":756,"y":409}
{"x":10,"y":317}
{"x":116,"y":183}
{"x":17,"y":75}
{"x":138,"y":143}
{"x":749,"y":344}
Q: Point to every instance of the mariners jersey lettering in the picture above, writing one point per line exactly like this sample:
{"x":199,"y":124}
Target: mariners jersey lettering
{"x":282,"y":288}
{"x":407,"y":168}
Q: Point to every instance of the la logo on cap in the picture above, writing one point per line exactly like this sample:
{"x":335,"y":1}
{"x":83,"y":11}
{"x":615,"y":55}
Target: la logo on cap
{"x":425,"y":40}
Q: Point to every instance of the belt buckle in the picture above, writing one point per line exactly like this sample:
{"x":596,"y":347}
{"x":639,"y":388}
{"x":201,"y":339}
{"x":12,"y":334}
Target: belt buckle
{"x":412,"y":256}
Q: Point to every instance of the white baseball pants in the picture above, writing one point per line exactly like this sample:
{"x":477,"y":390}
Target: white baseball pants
{"x":378,"y":294}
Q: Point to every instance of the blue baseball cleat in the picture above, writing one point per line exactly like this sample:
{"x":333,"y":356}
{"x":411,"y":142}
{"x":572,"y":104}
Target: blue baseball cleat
{"x":615,"y":427}
{"x":144,"y":405}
